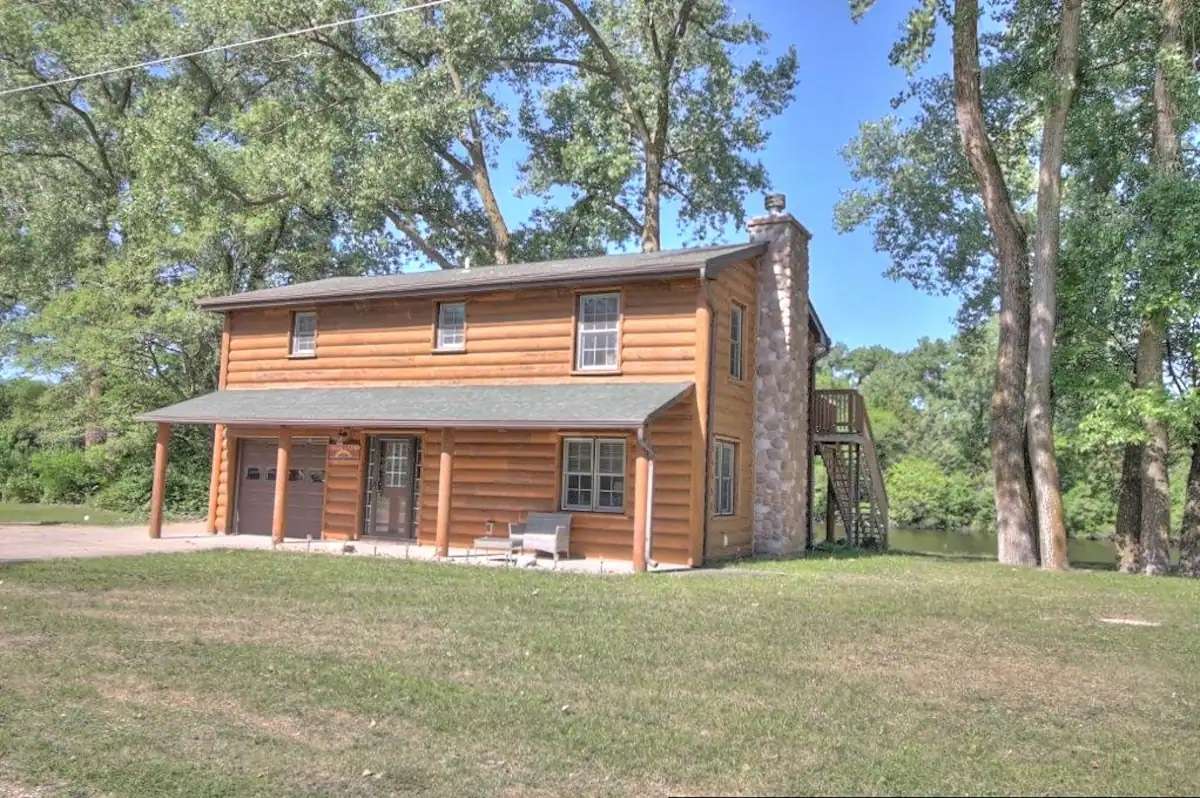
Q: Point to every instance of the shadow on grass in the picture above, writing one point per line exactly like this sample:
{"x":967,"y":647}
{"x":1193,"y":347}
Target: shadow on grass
{"x":839,"y":551}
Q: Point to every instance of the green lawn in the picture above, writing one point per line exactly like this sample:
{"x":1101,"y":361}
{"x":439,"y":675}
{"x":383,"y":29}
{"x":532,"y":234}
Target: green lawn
{"x":13,"y":513}
{"x":247,"y":673}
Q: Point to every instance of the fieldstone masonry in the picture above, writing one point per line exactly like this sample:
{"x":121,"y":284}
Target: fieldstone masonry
{"x":781,"y":459}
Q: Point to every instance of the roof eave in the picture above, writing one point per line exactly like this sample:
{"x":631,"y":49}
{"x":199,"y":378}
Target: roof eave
{"x":707,"y":267}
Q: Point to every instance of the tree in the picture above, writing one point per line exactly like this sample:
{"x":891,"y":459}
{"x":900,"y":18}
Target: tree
{"x":1156,"y":495}
{"x":656,"y":107}
{"x":1008,"y":247}
{"x":1052,"y":534}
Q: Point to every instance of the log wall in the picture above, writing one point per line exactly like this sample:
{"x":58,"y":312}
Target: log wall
{"x":733,"y":413}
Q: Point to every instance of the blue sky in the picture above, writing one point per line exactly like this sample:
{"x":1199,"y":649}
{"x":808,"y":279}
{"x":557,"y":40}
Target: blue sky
{"x":844,"y":79}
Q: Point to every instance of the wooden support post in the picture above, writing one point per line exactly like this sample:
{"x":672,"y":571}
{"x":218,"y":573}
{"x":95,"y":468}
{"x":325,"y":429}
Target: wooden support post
{"x":214,"y":479}
{"x":282,"y":459}
{"x":445,"y":474}
{"x":830,"y":521}
{"x":640,"y":494}
{"x":226,"y":526}
{"x":159,"y":489}
{"x":698,"y":514}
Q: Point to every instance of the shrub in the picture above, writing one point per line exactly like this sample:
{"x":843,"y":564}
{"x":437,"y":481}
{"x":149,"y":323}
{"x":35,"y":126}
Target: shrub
{"x":921,"y":494}
{"x":22,"y":486}
{"x":65,"y":475}
{"x":1089,"y":511}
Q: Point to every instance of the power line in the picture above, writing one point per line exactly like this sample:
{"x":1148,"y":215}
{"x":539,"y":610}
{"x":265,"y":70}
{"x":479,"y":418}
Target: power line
{"x":235,"y":45}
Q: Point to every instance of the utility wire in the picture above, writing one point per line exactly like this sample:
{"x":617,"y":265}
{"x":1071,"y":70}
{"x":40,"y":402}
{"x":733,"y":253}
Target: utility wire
{"x":218,"y":48}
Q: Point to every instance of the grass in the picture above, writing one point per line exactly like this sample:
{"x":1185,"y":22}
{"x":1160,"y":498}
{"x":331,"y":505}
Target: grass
{"x":253,"y":673}
{"x":15,"y":513}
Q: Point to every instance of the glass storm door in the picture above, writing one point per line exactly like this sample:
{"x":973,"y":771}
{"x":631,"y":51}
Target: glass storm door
{"x":392,"y":489}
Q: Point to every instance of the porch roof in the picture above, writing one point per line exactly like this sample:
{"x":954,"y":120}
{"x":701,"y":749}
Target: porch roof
{"x":587,"y":405}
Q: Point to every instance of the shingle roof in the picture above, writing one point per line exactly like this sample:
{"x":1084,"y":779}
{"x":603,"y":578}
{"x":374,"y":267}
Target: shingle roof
{"x":574,"y":271}
{"x":590,"y":405}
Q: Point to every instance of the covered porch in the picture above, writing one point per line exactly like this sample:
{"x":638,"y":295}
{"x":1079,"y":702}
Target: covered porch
{"x":312,"y":462}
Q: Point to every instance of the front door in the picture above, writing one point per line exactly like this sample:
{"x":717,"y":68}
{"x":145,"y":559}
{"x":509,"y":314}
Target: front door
{"x":390,"y":487}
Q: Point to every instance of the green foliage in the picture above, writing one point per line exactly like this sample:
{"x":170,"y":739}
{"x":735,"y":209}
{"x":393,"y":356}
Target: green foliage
{"x":922,"y":495}
{"x":365,"y":148}
{"x":1090,"y":509}
{"x":65,"y":475}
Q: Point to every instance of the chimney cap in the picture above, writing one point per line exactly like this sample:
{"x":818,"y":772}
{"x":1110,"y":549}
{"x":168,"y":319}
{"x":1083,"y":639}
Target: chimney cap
{"x":775,"y":203}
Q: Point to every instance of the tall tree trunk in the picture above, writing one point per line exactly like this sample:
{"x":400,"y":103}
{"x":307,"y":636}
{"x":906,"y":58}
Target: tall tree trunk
{"x":1156,"y":497}
{"x":1128,"y":533}
{"x":480,"y":174}
{"x":1189,"y":535}
{"x":1014,"y":513}
{"x":652,"y":201}
{"x":93,"y":432}
{"x":1156,"y":489}
{"x":1052,"y":533}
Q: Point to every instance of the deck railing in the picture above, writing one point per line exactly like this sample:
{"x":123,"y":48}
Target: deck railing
{"x":843,"y":411}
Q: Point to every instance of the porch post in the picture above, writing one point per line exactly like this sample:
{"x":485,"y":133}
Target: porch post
{"x":445,"y":472}
{"x":698,"y":512}
{"x":279,"y":518}
{"x":214,"y":479}
{"x":158,"y":491}
{"x":640,"y":480}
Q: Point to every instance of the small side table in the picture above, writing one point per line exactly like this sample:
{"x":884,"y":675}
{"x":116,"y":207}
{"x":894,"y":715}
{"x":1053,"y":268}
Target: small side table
{"x":497,"y":545}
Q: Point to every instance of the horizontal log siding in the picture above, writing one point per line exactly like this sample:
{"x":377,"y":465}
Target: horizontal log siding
{"x":733,"y":413}
{"x":511,"y":337}
{"x":671,"y":436}
{"x":344,"y":480}
{"x":505,"y":475}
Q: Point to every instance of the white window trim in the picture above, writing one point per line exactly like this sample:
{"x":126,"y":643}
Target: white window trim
{"x":579,"y":332}
{"x":732,"y":447}
{"x":739,"y":311}
{"x":292,"y":338}
{"x":438,"y":345}
{"x":594,"y":506}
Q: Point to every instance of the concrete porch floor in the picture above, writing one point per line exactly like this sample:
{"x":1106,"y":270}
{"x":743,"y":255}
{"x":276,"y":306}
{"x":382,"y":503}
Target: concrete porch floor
{"x":24,"y":542}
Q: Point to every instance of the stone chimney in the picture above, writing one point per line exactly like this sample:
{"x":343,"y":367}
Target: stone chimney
{"x":781,"y":447}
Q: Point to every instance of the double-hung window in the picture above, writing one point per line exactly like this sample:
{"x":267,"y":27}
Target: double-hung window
{"x":596,"y":322}
{"x":593,"y":477}
{"x":737,"y":328}
{"x":304,"y":334}
{"x":725,"y":478}
{"x":451,"y":326}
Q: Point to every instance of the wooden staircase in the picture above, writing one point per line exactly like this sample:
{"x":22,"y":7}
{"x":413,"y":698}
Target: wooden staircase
{"x":842,"y":436}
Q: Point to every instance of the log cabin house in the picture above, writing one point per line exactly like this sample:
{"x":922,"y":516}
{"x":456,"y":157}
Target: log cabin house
{"x":663,"y":399}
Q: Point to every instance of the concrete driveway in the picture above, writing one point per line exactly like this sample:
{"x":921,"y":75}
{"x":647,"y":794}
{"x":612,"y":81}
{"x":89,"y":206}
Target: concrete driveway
{"x":24,"y":542}
{"x":20,"y":542}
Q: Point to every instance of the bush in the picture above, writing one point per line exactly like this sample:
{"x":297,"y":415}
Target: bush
{"x":1089,"y":511}
{"x":921,"y":494}
{"x":65,"y":475}
{"x":129,"y":491}
{"x":22,"y":486}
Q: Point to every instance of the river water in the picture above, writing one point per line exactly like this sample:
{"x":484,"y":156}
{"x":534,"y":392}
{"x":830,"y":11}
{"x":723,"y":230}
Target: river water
{"x":1081,"y":551}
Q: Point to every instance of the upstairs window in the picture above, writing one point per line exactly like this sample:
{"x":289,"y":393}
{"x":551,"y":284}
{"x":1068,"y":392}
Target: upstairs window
{"x":596,"y":322}
{"x":725,"y":478}
{"x":304,"y":334}
{"x":737,"y":326}
{"x":593,"y":474}
{"x":451,"y":326}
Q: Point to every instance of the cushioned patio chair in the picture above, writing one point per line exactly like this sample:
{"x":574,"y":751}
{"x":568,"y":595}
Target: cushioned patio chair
{"x":549,"y":533}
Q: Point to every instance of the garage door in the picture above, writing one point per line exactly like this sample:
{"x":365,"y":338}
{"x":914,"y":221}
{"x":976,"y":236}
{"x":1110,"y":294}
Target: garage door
{"x":256,"y":488}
